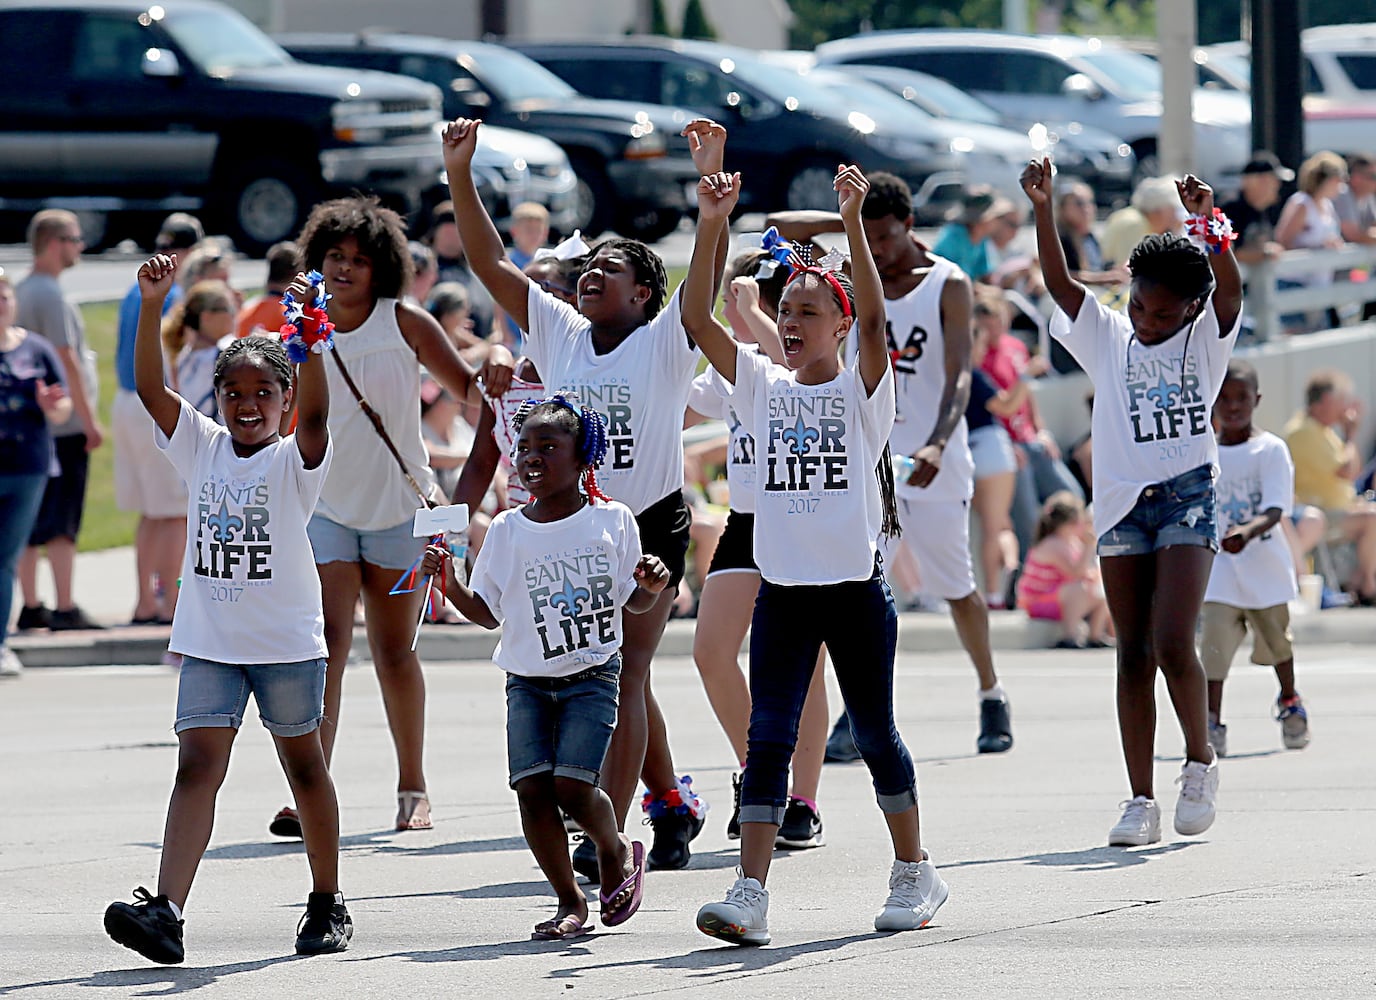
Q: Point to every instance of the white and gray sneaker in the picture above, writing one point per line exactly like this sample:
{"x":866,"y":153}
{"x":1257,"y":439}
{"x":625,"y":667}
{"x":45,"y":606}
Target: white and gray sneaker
{"x":9,"y":663}
{"x":741,"y":918}
{"x":1141,"y":824}
{"x":916,"y":892}
{"x":1218,"y":738}
{"x":1194,"y":810}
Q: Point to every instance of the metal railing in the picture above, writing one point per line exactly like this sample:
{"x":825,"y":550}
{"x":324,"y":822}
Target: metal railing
{"x":1267,"y":302}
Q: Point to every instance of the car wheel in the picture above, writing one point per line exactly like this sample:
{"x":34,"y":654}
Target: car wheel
{"x":267,"y":204}
{"x":810,"y":188}
{"x":1148,"y":161}
{"x":592,"y":198}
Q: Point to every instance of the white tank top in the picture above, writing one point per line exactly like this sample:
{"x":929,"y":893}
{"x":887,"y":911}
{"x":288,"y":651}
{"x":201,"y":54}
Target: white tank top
{"x":1320,"y":225}
{"x":364,"y":489}
{"x":917,"y":345}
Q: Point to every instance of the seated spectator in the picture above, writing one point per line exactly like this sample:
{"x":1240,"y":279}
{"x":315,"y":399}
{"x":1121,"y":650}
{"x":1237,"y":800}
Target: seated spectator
{"x":1075,"y":221}
{"x":1326,"y":465}
{"x":1155,"y":208}
{"x":1310,"y":222}
{"x":1356,"y":205}
{"x":965,"y":237}
{"x":1060,"y":579}
{"x":263,"y":314}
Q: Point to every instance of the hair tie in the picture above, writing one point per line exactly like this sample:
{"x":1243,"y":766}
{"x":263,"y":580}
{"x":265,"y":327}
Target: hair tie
{"x":1211,"y":233}
{"x":308,"y":329}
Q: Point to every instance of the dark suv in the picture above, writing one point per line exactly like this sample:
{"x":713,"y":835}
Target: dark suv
{"x":632,"y":165}
{"x":787,"y":133}
{"x":125,"y":111}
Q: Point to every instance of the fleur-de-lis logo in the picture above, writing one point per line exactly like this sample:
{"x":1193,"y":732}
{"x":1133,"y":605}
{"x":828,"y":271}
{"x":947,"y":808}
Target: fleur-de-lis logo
{"x":1237,"y":509}
{"x":800,"y":437}
{"x":224,"y":523}
{"x":1164,"y":393}
{"x":570,"y":599}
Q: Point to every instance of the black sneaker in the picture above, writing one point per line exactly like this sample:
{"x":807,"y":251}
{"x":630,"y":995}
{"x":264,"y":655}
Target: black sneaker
{"x":33,"y":618}
{"x":147,"y":927}
{"x":801,"y":828}
{"x":841,"y":748}
{"x":585,"y":860}
{"x":673,"y":832}
{"x":733,"y":825}
{"x":72,"y":620}
{"x":326,"y":925}
{"x":995,"y":727}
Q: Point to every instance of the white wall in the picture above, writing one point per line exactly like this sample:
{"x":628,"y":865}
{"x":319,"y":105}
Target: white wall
{"x":452,"y":19}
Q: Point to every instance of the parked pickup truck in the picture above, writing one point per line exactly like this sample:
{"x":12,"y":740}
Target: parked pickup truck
{"x":123,"y":111}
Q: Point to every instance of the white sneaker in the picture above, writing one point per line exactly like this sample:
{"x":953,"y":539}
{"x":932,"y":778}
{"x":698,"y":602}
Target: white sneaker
{"x":9,"y":663}
{"x":742,"y":918}
{"x":1194,"y":810}
{"x":916,"y":892}
{"x":1218,"y":738}
{"x":1141,"y":824}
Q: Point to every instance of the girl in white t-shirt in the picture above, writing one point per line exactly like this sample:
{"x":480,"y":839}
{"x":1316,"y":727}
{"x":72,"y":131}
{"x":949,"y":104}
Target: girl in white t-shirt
{"x":249,"y":615}
{"x":1156,"y":373}
{"x":555,"y":575}
{"x":823,"y":495}
{"x":623,"y":351}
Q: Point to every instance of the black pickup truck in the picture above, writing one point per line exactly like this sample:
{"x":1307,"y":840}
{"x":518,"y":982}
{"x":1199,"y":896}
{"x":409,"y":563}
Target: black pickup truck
{"x":123,"y":111}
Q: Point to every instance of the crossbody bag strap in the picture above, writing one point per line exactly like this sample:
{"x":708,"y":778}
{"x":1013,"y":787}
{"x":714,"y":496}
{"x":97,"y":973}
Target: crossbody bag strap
{"x":376,"y":421}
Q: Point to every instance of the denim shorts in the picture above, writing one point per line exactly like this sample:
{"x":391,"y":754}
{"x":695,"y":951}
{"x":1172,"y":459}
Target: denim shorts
{"x":391,"y":548}
{"x":561,"y":724}
{"x":290,"y":696}
{"x":1180,"y":511}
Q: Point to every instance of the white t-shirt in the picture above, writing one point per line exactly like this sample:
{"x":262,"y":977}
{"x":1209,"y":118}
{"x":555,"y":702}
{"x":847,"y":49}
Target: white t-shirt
{"x":1151,"y":404}
{"x":817,"y":506}
{"x":558,"y":588}
{"x":709,"y":396}
{"x":196,"y":379}
{"x":917,"y":345}
{"x":1254,"y":477}
{"x":640,"y":387}
{"x":250,"y":593}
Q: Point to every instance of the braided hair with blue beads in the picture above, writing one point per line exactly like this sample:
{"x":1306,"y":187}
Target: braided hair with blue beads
{"x":586,"y":425}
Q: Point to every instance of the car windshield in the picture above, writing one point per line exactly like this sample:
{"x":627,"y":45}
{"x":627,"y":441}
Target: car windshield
{"x":220,"y":41}
{"x":863,"y":95}
{"x":781,"y":84}
{"x":1238,"y":69}
{"x":514,"y":77}
{"x":1133,"y":75}
{"x":950,"y":101}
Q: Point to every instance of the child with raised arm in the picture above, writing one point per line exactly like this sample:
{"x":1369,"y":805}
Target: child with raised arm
{"x":249,"y":615}
{"x":1156,"y":373}
{"x":1253,"y":578}
{"x":823,"y":495}
{"x":623,"y":351}
{"x":555,"y":575}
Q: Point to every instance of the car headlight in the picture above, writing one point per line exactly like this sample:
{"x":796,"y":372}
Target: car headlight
{"x":354,"y":121}
{"x":647,"y":142}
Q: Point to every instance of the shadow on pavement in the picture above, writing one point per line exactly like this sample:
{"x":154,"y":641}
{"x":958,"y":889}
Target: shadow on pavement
{"x":502,"y":890}
{"x":173,"y":979}
{"x":1094,"y":859}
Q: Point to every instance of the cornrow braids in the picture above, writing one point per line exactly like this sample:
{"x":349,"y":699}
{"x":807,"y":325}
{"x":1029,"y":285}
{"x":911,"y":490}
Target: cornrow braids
{"x":836,"y":282}
{"x":252,"y":349}
{"x":1174,"y":263}
{"x":889,"y":526}
{"x":649,"y":270}
{"x":585,"y":424}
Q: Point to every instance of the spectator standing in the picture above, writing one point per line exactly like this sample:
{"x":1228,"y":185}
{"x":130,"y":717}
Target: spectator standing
{"x":1256,"y":212}
{"x":445,"y":240}
{"x":529,"y":235}
{"x":263,"y":314}
{"x":1356,"y":206}
{"x":964,"y":240}
{"x":145,"y":481}
{"x":55,"y":237}
{"x":427,"y":267}
{"x":1309,"y":220}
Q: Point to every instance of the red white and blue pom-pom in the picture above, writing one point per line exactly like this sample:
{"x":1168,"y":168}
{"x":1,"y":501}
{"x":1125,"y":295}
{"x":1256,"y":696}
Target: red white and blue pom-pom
{"x":1211,"y":233}
{"x":680,"y":799}
{"x":308,"y":329}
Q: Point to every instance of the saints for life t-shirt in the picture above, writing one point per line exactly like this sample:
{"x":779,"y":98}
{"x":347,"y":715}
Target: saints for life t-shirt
{"x":817,"y":506}
{"x":709,"y":396}
{"x":1151,"y":403}
{"x":250,"y":592}
{"x":558,"y":587}
{"x":640,"y":387}
{"x":1253,"y":477}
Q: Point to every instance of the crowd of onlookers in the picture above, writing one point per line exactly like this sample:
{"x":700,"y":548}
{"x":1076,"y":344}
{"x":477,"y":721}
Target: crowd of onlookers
{"x":1030,"y":491}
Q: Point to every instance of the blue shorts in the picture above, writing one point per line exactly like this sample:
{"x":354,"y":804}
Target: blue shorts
{"x":561,"y":724}
{"x":290,"y":696}
{"x":391,"y":548}
{"x":1180,"y":511}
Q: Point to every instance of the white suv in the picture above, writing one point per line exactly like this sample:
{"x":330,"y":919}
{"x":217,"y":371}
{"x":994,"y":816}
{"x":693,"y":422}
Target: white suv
{"x":1067,"y":78}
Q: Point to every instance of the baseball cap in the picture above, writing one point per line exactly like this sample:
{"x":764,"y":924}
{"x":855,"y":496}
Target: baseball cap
{"x":179,"y":231}
{"x":1264,"y":161}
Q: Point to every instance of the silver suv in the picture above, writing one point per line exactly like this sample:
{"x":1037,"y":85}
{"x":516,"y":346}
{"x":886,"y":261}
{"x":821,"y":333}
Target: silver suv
{"x":1066,"y":78}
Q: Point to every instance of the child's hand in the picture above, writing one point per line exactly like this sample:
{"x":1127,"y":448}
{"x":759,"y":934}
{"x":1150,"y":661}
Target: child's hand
{"x":460,"y":139}
{"x":707,"y":143}
{"x":651,"y":573}
{"x":49,"y":396}
{"x":851,"y":186}
{"x":1036,"y":182}
{"x":1195,"y":195}
{"x":433,"y":562}
{"x":156,"y":275}
{"x":744,"y":292}
{"x":497,"y":371}
{"x":718,"y":194}
{"x":1235,"y":540}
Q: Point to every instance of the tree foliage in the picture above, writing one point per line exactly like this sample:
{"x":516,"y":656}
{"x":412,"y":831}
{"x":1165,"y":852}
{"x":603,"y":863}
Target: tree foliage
{"x":817,"y":21}
{"x":695,"y":23}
